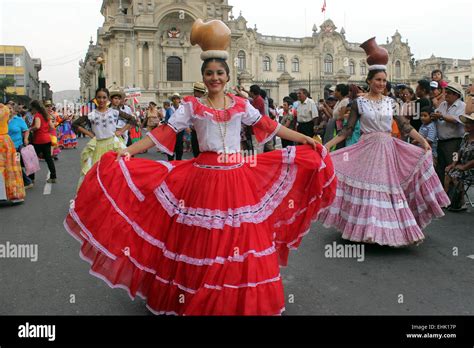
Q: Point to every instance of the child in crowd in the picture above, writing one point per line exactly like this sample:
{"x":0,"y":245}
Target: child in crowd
{"x":429,"y":132}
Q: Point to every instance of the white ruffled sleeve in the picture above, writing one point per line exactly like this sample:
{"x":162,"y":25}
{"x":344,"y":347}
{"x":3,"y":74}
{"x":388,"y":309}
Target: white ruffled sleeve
{"x":181,"y":119}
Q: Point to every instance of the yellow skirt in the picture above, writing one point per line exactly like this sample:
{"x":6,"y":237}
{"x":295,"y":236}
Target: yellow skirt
{"x":94,"y":150}
{"x":10,"y":169}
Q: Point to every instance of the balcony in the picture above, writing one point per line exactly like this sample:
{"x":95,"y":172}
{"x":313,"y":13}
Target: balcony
{"x":170,"y":87}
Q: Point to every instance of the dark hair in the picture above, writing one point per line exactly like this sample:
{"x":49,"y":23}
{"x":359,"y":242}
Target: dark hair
{"x":271,"y":103}
{"x":425,"y":86}
{"x":437,"y":71}
{"x":38,"y":107}
{"x":343,"y":89}
{"x":304,"y":91}
{"x":288,"y":100}
{"x":354,"y":90}
{"x":372,"y":74}
{"x":263,"y":93}
{"x":293,"y":96}
{"x":427,"y":109}
{"x":105,"y":90}
{"x":255,"y":89}
{"x":217,"y":60}
{"x":153,"y":103}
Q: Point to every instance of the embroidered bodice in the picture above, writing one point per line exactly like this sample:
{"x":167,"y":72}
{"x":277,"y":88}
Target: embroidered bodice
{"x":209,"y":125}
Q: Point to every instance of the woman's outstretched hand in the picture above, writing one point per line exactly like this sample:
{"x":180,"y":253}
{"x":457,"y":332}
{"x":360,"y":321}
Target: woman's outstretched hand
{"x":309,"y":141}
{"x":123,"y":153}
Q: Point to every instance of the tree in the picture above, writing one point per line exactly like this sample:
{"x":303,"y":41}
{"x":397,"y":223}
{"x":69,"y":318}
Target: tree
{"x":4,"y":83}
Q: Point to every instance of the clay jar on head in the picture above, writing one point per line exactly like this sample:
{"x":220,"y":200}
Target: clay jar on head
{"x":376,"y":55}
{"x":211,"y":36}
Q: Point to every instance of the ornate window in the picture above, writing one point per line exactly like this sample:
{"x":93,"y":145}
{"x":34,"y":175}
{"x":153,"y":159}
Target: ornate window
{"x":295,"y":65}
{"x":242,"y":60}
{"x":174,"y":68}
{"x":328,"y":64}
{"x":267,"y":66}
{"x":281,"y":65}
{"x":398,"y":69}
{"x":363,"y":69}
{"x":352,"y":70}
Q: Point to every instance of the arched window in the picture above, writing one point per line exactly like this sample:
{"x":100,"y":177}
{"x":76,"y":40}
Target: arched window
{"x":363,"y":69}
{"x":352,"y":70}
{"x":398,"y":69}
{"x":242,"y":60}
{"x":295,"y":65}
{"x":281,"y":64}
{"x":267,"y":64}
{"x":328,"y":64}
{"x":174,"y":68}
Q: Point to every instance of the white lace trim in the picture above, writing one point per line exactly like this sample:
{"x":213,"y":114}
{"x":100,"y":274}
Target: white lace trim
{"x":388,"y":204}
{"x":270,"y":137}
{"x":373,"y":221}
{"x":171,"y":255}
{"x":290,"y":155}
{"x":88,"y":235}
{"x":300,"y":236}
{"x":164,"y":281}
{"x":217,"y":219}
{"x":167,"y":165}
{"x":368,"y":186}
{"x":130,"y":182}
{"x":159,"y":145}
{"x":123,"y":287}
{"x":423,"y":159}
{"x":302,"y":211}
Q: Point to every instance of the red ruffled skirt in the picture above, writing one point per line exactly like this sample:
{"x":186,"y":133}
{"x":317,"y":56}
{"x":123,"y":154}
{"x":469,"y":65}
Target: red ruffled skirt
{"x":200,"y":237}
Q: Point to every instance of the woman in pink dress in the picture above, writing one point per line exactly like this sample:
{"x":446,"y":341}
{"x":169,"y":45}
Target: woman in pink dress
{"x":205,"y":236}
{"x":388,"y":190}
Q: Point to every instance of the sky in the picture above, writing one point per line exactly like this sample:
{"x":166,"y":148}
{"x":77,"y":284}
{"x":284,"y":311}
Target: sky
{"x":59,"y":31}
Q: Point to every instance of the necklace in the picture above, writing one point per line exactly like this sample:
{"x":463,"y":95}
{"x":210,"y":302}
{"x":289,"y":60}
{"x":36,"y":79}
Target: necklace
{"x":222,"y":133}
{"x":378,"y":108}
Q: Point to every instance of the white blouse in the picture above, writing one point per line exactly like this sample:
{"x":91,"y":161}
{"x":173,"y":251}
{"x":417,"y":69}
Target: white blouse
{"x":210,"y":124}
{"x":376,"y":116}
{"x":104,"y":124}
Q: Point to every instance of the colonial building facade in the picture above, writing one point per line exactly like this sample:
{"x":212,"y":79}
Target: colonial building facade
{"x":146,"y":44}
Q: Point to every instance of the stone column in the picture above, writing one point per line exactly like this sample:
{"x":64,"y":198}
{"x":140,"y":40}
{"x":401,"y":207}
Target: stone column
{"x":151,"y":66}
{"x":140,"y":65}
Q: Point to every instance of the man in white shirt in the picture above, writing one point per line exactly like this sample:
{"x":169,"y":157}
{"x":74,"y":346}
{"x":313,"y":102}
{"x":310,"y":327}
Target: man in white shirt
{"x":117,"y":101}
{"x":307,"y":113}
{"x":449,"y":126}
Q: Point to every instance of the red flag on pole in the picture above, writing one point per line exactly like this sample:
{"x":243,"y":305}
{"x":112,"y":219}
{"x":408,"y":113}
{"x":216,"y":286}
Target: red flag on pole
{"x":323,"y":9}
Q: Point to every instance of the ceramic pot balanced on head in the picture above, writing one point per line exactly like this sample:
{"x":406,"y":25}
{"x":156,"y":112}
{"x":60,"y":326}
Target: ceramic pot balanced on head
{"x":376,"y":55}
{"x":213,"y":37}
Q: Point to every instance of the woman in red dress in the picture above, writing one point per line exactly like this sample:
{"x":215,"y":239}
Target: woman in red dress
{"x":205,"y":236}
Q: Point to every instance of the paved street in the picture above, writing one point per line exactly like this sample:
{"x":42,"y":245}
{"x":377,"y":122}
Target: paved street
{"x":428,"y":279}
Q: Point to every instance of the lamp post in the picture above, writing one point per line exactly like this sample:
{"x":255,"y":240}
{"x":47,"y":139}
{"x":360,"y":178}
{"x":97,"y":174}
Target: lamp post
{"x":101,"y":83}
